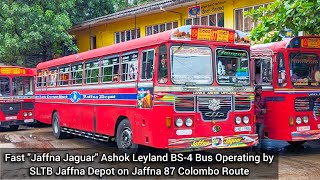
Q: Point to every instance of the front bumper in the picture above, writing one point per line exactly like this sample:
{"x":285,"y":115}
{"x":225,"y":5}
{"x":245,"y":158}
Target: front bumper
{"x":18,"y":122}
{"x":216,"y":142}
{"x":305,"y":135}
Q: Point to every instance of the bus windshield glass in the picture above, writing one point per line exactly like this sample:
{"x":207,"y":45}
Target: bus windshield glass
{"x":232,"y":66}
{"x":22,"y":86}
{"x":191,"y":64}
{"x":4,"y":86}
{"x":304,"y":69}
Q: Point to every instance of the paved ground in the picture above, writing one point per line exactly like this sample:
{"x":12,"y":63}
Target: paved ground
{"x":294,"y":163}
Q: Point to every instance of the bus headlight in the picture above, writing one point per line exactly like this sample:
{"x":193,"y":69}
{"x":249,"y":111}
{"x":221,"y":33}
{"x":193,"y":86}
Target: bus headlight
{"x":25,"y":114}
{"x":305,"y":119}
{"x":298,"y":120}
{"x":238,"y":120}
{"x":179,"y":122}
{"x":245,"y":119}
{"x":189,"y":122}
{"x":30,"y":113}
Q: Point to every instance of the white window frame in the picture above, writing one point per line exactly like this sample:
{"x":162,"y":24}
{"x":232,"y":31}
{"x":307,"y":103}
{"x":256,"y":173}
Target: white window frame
{"x":165,"y":25}
{"x":208,"y":20}
{"x":147,"y":53}
{"x":125,"y":35}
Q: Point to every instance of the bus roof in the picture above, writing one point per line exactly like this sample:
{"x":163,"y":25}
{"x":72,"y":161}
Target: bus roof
{"x":296,"y":42}
{"x":181,"y":34}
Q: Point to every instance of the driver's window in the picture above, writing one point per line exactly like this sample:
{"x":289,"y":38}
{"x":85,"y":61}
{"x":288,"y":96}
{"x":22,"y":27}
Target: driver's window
{"x":163,"y":65}
{"x":263,"y":71}
{"x":282,"y":79}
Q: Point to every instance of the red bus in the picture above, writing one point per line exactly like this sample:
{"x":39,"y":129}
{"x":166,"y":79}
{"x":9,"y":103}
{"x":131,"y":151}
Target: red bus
{"x":16,"y":96}
{"x":172,"y":90}
{"x":289,"y":72}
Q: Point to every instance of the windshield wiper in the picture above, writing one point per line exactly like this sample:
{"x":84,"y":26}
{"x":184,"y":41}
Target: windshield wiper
{"x":296,"y":55}
{"x":178,"y":49}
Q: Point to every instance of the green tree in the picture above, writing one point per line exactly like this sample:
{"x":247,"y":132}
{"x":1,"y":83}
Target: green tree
{"x":123,"y":4}
{"x":34,"y":30}
{"x":90,"y":9}
{"x":274,"y":20}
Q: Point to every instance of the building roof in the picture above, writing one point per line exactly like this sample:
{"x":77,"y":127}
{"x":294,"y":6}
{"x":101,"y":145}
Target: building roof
{"x":148,"y":8}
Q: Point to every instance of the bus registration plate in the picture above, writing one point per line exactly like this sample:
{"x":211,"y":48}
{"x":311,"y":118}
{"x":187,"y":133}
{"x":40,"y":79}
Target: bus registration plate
{"x":303,"y":128}
{"x":242,"y":128}
{"x":11,"y":117}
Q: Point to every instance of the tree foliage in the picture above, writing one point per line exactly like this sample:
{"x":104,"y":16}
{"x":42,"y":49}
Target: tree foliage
{"x":90,"y":9}
{"x":274,"y":20}
{"x":123,"y":4}
{"x":34,"y":29}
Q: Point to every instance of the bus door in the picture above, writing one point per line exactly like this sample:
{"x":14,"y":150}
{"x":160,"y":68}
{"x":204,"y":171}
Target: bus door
{"x":145,"y":94}
{"x":263,"y":77}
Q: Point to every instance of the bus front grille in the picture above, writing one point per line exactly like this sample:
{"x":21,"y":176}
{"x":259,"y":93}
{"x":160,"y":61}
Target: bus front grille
{"x":302,"y":104}
{"x":10,"y":109}
{"x":214,"y":107}
{"x":27,"y":106}
{"x":242,"y":103}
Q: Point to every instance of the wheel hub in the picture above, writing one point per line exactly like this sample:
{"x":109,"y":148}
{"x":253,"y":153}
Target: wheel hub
{"x":126,"y":138}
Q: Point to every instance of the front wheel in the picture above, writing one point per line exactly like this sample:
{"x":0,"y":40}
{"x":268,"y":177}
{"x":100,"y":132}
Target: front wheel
{"x":124,"y":138}
{"x":57,"y":128}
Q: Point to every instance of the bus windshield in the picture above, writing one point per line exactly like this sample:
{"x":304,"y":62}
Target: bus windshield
{"x":4,"y":86}
{"x":232,"y":66}
{"x":22,"y":86}
{"x":191,"y":64}
{"x":304,"y":69}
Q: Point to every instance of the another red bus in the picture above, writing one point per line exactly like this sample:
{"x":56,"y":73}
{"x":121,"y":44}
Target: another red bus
{"x":16,"y":96}
{"x":171,"y":90}
{"x":289,"y":72}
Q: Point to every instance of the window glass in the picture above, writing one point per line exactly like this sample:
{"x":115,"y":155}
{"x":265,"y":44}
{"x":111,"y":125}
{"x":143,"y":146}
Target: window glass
{"x":92,"y":72}
{"x":76,"y":74}
{"x":147,"y":64}
{"x":204,"y":20}
{"x":63,"y":76}
{"x":213,"y":20}
{"x":282,"y":79}
{"x":52,"y":77}
{"x":304,"y":70}
{"x":263,"y":71}
{"x":232,"y":66}
{"x":220,"y":19}
{"x":4,"y":86}
{"x":129,"y":67}
{"x":163,"y":65}
{"x":239,"y":19}
{"x":22,"y":86}
{"x":191,"y":64}
{"x":39,"y":78}
{"x":110,"y":69}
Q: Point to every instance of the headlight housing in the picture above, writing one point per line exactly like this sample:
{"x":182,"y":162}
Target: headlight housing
{"x":189,"y":122}
{"x":245,"y":119}
{"x":179,"y":122}
{"x":30,"y":113}
{"x":298,"y":120}
{"x":305,"y":119}
{"x":238,"y":120}
{"x":25,"y":114}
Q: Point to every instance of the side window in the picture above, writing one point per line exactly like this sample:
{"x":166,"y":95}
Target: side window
{"x":92,"y":71}
{"x":44,"y":78}
{"x":110,"y":69}
{"x":63,"y":75}
{"x":282,"y":79}
{"x":76,"y":74}
{"x":129,"y":67}
{"x":39,"y":78}
{"x":52,"y":77}
{"x":263,"y":71}
{"x":163,"y":65}
{"x":147,"y":64}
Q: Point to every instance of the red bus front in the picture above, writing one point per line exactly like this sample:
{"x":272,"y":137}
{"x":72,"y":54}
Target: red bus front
{"x":293,"y":96}
{"x":16,"y":96}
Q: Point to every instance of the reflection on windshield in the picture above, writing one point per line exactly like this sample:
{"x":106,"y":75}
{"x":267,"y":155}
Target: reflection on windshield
{"x":191,"y":64}
{"x":22,"y":86}
{"x":304,"y":70}
{"x":4,"y":86}
{"x":232,"y":66}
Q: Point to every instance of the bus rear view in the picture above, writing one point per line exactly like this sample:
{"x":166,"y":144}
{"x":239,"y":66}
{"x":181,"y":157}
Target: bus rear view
{"x":16,"y":96}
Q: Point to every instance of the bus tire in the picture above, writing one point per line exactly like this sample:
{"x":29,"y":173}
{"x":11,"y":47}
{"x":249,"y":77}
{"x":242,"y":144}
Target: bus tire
{"x":296,"y":143}
{"x":56,"y":128}
{"x":14,"y":127}
{"x":124,"y":138}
